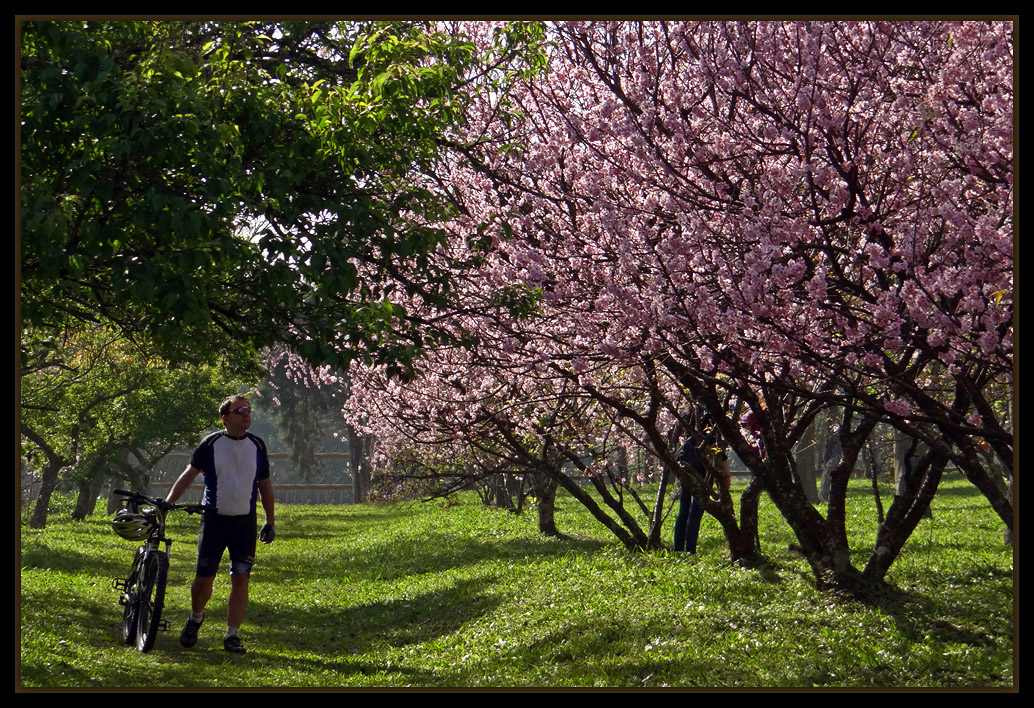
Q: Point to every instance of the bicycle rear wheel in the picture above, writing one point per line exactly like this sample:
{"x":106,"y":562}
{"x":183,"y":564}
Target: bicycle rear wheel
{"x":130,"y":602}
{"x":151,"y":599}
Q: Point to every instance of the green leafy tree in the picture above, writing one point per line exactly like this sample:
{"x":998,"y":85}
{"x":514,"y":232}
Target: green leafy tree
{"x":87,"y":410}
{"x":214,"y":188}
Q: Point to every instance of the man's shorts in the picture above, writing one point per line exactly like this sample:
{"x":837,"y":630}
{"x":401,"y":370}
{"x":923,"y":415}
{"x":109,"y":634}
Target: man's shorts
{"x":219,"y":533}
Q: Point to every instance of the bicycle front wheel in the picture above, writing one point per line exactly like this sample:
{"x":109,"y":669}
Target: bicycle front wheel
{"x":129,"y":616}
{"x":151,"y":597}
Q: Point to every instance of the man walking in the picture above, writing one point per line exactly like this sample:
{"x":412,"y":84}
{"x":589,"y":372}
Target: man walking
{"x":235,"y":467}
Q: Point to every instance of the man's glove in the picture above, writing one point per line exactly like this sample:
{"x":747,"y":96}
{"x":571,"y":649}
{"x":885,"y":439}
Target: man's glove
{"x":267,"y":534}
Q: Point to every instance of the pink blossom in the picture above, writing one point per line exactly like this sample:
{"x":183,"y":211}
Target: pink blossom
{"x":898,"y":407}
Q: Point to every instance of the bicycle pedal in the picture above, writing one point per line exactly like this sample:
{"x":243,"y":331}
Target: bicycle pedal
{"x":163,"y":626}
{"x":120,"y":583}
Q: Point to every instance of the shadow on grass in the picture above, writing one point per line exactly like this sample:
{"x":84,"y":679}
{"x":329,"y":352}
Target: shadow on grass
{"x":613,"y":653}
{"x":91,"y":547}
{"x":765,"y":568}
{"x":62,"y":608}
{"x":70,"y":560}
{"x":387,"y":560}
{"x":328,"y":645}
{"x":308,"y":521}
{"x":396,"y":622}
{"x":330,"y":672}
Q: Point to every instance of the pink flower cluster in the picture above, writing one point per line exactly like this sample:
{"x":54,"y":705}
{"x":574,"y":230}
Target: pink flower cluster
{"x":760,"y":200}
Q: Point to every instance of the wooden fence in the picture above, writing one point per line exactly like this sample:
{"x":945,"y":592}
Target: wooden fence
{"x":331,"y":484}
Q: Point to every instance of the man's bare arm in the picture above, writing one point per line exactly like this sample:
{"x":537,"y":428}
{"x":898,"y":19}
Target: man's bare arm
{"x":182,"y":484}
{"x":265,"y":487}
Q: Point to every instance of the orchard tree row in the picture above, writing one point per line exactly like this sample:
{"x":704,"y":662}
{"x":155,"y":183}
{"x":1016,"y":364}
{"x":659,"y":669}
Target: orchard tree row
{"x":763,"y":222}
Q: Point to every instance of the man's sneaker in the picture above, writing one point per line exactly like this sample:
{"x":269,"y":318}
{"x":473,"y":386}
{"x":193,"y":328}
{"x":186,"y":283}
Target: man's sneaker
{"x":234,"y":645}
{"x":188,"y":637}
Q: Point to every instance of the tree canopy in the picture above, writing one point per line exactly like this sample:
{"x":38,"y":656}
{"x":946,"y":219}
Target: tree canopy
{"x":217,"y":187}
{"x":770,"y":218}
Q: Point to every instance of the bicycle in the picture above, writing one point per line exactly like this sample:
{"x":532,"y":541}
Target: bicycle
{"x":142,"y":518}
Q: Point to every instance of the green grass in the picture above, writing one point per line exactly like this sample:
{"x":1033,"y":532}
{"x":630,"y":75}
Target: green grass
{"x":429,"y":595}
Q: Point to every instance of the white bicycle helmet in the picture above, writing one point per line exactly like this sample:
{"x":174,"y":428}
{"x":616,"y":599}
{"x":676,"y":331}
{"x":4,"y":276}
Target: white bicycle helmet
{"x":132,"y":525}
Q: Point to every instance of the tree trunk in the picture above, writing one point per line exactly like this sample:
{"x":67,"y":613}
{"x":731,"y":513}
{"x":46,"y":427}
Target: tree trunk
{"x":876,"y":497}
{"x":905,"y":513}
{"x":979,"y":478}
{"x":808,"y":460}
{"x":114,"y":500}
{"x":749,"y":502}
{"x":358,"y":452}
{"x":657,"y":522}
{"x":822,"y":541}
{"x":48,"y":484}
{"x":545,"y":494}
{"x":500,"y":494}
{"x":831,"y":452}
{"x":907,"y":456}
{"x":633,"y":539}
{"x":87,"y":501}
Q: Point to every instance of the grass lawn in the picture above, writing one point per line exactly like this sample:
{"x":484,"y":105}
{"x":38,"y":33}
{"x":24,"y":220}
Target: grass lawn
{"x":438,"y":595}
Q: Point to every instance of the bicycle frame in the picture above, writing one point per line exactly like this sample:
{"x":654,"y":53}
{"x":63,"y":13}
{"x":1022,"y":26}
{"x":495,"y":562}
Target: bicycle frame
{"x":143,"y":591}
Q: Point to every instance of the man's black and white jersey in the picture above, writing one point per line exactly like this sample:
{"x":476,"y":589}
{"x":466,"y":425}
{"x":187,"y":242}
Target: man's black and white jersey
{"x":232,"y":469}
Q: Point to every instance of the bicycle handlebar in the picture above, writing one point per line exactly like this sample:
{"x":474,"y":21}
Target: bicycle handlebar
{"x":164,"y":505}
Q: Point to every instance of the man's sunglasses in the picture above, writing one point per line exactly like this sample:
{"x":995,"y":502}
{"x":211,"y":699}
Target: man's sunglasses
{"x":241,"y":411}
